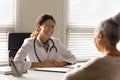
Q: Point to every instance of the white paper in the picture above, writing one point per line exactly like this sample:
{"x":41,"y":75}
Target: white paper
{"x":53,"y":69}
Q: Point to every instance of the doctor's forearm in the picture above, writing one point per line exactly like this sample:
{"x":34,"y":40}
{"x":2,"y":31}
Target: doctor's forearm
{"x":43,"y":64}
{"x":35,"y":64}
{"x":49,"y":64}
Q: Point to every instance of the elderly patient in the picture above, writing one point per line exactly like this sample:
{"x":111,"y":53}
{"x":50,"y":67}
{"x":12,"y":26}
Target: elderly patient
{"x":106,"y":67}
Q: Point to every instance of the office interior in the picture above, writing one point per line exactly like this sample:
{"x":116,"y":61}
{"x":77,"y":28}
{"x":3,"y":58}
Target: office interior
{"x":27,"y":12}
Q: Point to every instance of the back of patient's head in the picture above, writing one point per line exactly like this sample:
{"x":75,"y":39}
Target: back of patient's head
{"x":110,"y":29}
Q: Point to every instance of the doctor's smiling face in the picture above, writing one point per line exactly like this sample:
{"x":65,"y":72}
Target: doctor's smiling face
{"x":45,"y":25}
{"x":47,"y":29}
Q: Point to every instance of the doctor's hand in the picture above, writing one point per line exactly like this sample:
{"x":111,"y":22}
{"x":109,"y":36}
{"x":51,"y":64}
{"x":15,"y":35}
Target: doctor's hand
{"x":59,"y":64}
{"x":53,"y":63}
{"x":50,"y":63}
{"x":43,"y":64}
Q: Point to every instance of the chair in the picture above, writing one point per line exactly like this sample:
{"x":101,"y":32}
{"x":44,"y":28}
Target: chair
{"x":15,"y":40}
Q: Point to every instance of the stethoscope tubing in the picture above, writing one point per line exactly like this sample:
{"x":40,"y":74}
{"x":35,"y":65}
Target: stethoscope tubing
{"x":49,"y":50}
{"x":35,"y":51}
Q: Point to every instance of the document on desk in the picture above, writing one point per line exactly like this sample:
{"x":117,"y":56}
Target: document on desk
{"x":54,"y":69}
{"x":59,"y":69}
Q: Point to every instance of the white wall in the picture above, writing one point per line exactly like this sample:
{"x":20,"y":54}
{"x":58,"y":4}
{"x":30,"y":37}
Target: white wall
{"x":29,"y":10}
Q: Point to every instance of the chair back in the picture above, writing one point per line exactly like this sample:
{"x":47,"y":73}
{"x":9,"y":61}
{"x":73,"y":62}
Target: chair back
{"x":15,"y":40}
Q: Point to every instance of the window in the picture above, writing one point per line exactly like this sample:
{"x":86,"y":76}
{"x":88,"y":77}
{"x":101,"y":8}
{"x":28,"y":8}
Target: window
{"x":7,"y":24}
{"x":83,"y":17}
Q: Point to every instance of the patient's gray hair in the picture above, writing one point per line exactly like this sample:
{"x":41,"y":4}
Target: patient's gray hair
{"x":110,"y":29}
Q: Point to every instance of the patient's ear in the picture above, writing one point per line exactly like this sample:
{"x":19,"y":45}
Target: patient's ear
{"x":100,"y":35}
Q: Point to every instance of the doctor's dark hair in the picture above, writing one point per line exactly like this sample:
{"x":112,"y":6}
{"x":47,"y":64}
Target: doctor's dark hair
{"x":110,"y":28}
{"x":40,"y":21}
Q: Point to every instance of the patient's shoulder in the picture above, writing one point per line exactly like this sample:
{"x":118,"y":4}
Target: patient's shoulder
{"x":94,"y":62}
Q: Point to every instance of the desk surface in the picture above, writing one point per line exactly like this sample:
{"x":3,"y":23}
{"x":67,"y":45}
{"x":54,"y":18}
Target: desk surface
{"x":35,"y":75}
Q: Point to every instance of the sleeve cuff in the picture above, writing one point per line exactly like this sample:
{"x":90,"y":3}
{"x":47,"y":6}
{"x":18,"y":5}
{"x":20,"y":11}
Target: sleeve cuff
{"x":27,"y":65}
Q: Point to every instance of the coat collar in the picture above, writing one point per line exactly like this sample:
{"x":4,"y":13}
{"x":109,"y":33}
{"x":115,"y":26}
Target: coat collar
{"x":39,"y":42}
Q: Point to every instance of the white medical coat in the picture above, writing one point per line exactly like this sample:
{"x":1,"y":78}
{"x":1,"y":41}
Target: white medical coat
{"x":27,"y":51}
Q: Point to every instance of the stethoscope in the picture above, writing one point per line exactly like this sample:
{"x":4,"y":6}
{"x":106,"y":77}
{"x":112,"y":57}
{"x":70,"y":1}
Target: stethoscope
{"x":53,"y":46}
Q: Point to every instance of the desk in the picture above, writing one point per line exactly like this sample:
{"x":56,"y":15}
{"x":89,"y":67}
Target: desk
{"x":35,"y":75}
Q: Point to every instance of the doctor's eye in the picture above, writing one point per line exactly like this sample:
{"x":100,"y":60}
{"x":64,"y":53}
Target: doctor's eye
{"x":49,"y":27}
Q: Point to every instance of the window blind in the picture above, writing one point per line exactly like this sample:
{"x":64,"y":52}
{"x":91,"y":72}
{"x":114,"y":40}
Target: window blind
{"x":80,"y":42}
{"x":7,"y":24}
{"x":83,"y":17}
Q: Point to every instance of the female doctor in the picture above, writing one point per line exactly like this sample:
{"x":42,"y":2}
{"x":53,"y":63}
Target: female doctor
{"x":42,"y":50}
